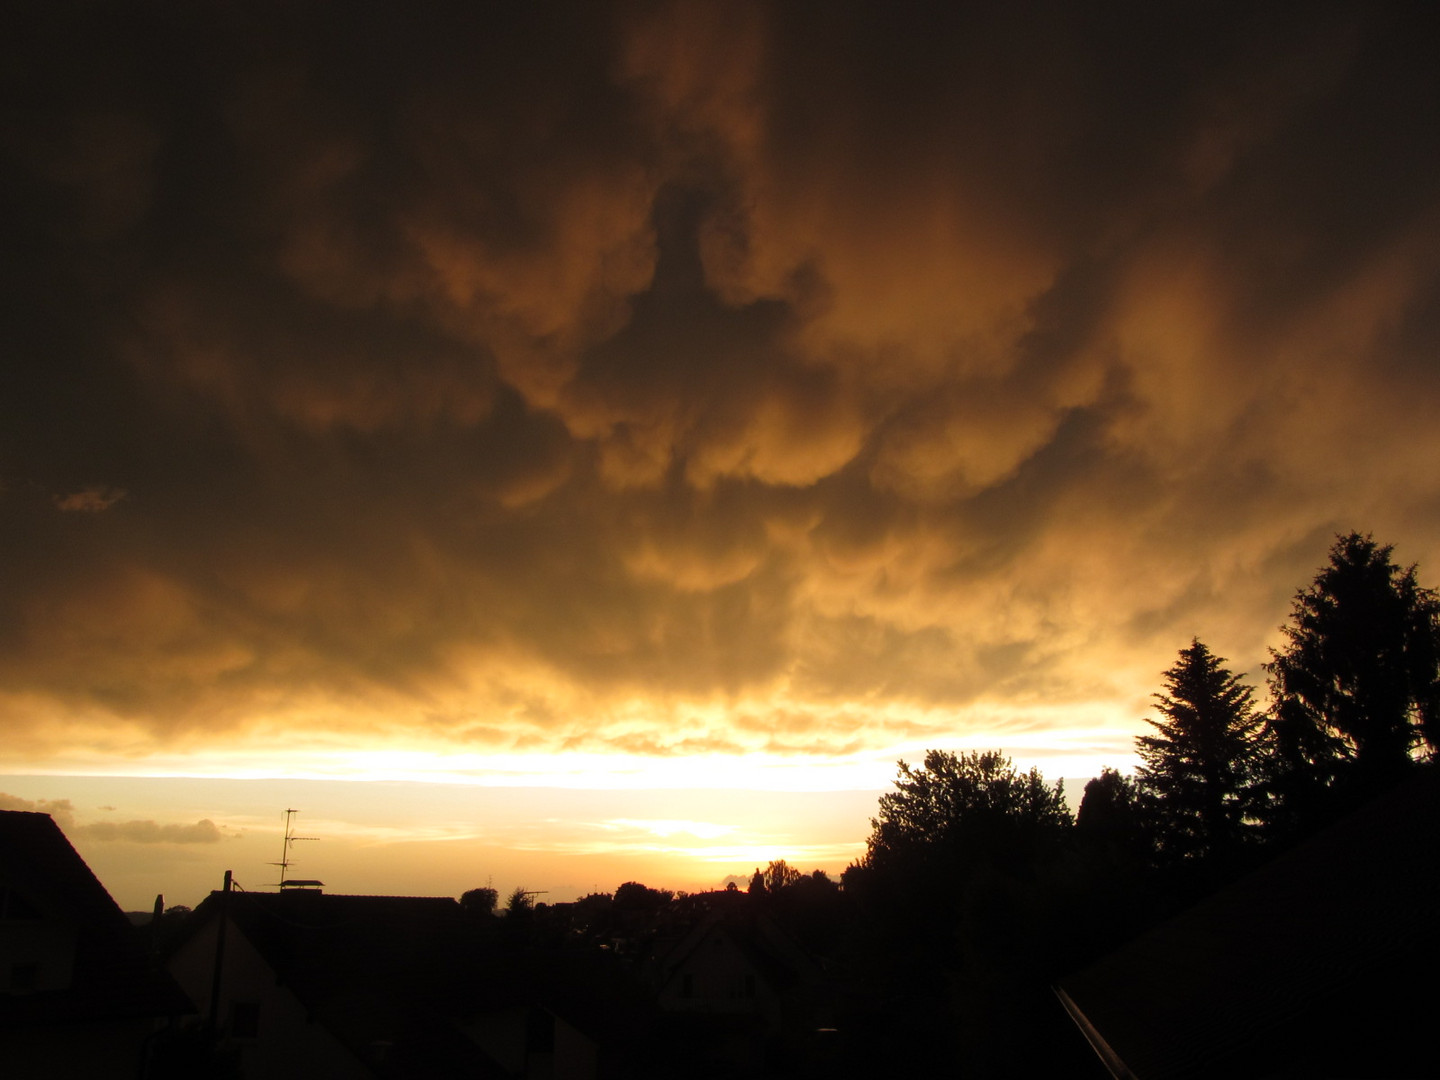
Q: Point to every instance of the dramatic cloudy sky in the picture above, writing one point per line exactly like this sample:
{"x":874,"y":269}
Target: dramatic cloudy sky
{"x":688,"y":394}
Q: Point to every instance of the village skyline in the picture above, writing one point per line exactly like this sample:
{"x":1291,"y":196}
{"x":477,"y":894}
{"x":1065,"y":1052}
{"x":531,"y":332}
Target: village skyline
{"x":575,"y":442}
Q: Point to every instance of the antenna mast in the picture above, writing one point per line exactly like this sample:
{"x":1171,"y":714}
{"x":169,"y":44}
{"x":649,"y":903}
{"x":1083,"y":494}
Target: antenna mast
{"x":287,"y":882}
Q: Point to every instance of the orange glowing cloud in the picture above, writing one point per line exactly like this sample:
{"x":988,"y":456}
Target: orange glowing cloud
{"x":667,"y":381}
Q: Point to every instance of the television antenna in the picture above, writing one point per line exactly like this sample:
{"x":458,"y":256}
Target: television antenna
{"x":287,"y":882}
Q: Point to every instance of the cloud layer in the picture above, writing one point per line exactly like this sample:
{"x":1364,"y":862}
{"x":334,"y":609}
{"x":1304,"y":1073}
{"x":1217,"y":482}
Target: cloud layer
{"x":204,"y":831}
{"x":798,"y":378}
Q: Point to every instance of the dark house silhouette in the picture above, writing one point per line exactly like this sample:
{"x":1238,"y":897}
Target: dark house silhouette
{"x":1323,"y":963}
{"x":738,"y":963}
{"x":78,"y":996}
{"x":737,"y":996}
{"x":313,"y":984}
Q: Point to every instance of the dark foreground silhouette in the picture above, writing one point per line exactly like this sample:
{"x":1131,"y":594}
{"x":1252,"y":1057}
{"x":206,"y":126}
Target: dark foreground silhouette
{"x":1258,"y":901}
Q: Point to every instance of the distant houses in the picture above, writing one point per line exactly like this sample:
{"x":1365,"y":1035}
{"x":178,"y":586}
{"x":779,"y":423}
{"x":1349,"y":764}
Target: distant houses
{"x":735,"y":987}
{"x":311,"y":984}
{"x":738,"y":963}
{"x":303,"y":984}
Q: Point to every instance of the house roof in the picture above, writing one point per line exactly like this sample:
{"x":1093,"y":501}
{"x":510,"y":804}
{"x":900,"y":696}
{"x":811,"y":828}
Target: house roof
{"x":777,"y":958}
{"x":1304,"y":967}
{"x":41,"y":863}
{"x":111,"y":978}
{"x":387,"y":975}
{"x":325,"y":944}
{"x":416,"y":971}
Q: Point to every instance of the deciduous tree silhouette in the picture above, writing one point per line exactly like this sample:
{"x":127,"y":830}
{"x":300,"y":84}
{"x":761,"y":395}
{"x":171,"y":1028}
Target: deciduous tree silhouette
{"x":1109,"y":816}
{"x":778,"y":874}
{"x":1200,"y":772}
{"x":479,"y":901}
{"x":633,"y":896}
{"x":967,"y":808}
{"x":955,"y":888}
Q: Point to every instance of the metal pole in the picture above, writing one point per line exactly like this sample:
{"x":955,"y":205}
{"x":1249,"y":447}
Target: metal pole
{"x":219,"y":955}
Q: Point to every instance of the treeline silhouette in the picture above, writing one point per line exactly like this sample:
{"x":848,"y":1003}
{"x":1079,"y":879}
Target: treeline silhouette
{"x":978,"y":890}
{"x":976,"y":876}
{"x":936,"y":952}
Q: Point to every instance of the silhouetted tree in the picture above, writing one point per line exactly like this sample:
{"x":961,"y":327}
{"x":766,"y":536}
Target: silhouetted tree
{"x":778,"y":874}
{"x":1199,"y":777}
{"x":1357,"y":685}
{"x":481,"y":901}
{"x":813,"y":910}
{"x":519,"y":903}
{"x":951,"y":935}
{"x":633,"y":896}
{"x":1109,"y":815}
{"x":170,"y":927}
{"x":967,"y":807}
{"x":1113,"y":890}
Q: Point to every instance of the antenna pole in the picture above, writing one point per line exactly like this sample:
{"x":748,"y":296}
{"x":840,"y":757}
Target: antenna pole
{"x":284,"y":863}
{"x":219,"y":953}
{"x":285,"y":847}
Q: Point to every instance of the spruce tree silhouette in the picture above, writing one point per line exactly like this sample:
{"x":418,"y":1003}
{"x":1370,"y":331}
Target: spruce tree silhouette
{"x":1200,"y":770}
{"x":1357,"y":685}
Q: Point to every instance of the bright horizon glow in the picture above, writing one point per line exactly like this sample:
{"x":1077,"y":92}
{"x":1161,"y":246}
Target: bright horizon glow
{"x":603,"y":773}
{"x":389,"y":837}
{"x":397,"y":818}
{"x":1088,"y":741}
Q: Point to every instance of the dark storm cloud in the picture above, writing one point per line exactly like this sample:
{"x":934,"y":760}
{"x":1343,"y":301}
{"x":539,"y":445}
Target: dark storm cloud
{"x":575,"y":375}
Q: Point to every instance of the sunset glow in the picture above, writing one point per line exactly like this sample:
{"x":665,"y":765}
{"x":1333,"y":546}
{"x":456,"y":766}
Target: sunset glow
{"x":609,"y":403}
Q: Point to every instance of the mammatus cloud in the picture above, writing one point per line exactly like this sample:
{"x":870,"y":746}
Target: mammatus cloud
{"x":794,"y":381}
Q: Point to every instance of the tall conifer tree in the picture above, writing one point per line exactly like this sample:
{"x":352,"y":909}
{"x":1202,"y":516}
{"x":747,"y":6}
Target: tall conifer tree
{"x":1200,"y":768}
{"x":1357,"y":685}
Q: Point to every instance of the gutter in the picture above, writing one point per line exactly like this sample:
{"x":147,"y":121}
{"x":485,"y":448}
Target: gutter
{"x":1111,"y":1060}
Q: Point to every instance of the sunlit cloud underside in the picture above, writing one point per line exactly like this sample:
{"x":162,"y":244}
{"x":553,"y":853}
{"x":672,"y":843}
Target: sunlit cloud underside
{"x":670,"y":396}
{"x":1057,"y":748}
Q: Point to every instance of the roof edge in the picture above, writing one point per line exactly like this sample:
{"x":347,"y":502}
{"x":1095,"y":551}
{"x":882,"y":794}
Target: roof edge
{"x":1111,"y":1060}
